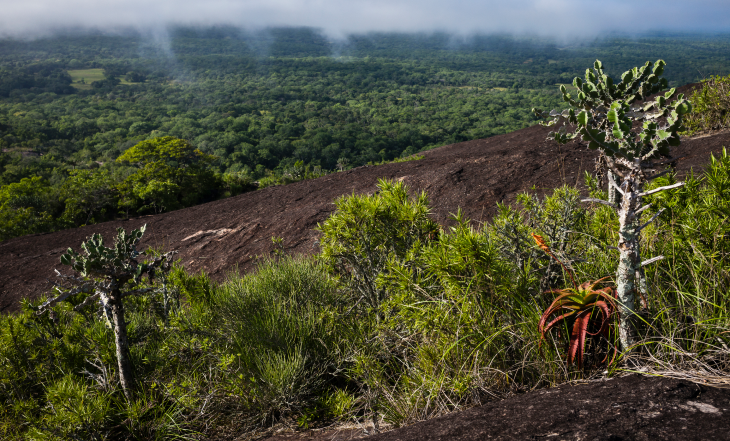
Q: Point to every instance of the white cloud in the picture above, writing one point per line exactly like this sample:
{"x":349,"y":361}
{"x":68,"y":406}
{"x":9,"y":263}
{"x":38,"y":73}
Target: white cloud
{"x":553,"y":17}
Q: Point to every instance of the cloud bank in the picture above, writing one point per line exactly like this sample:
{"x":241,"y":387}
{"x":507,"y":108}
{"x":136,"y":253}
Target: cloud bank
{"x":342,"y":17}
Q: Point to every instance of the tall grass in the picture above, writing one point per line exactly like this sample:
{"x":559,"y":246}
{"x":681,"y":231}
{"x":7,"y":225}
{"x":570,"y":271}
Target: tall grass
{"x":711,"y":104}
{"x":285,"y":324}
{"x":294,"y":343}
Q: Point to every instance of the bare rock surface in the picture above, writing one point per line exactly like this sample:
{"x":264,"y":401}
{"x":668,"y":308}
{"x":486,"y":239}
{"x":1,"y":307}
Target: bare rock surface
{"x":629,"y":408}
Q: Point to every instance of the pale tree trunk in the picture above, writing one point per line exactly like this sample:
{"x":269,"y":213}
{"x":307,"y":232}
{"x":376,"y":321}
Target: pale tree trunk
{"x":630,"y":275}
{"x":124,"y":362}
{"x":612,"y":192}
{"x":642,"y":287}
{"x":630,"y":256}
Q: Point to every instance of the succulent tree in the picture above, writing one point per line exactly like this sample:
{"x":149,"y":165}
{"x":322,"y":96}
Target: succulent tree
{"x":602,"y":116}
{"x":107,"y":276}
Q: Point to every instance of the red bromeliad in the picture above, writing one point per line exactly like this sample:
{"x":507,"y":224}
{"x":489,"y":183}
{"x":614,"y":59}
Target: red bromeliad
{"x":584,"y":305}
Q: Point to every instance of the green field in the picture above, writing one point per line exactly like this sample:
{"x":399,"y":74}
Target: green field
{"x":87,"y":75}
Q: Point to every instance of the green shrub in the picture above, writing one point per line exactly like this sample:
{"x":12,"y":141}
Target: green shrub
{"x":368,"y":231}
{"x":711,"y":105}
{"x":75,"y":409}
{"x":555,"y":218}
{"x":689,"y":311}
{"x":457,"y":324}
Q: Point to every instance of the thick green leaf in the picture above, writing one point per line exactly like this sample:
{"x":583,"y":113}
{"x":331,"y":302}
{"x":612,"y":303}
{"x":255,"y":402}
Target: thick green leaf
{"x":617,"y":132}
{"x":627,"y":76}
{"x":684,"y":107}
{"x":609,"y":82}
{"x":583,"y":118}
{"x":659,"y":67}
{"x":612,"y":116}
{"x":590,"y":76}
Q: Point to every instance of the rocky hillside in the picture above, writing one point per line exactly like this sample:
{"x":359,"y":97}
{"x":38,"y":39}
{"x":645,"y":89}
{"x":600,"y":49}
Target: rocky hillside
{"x":226,"y":235}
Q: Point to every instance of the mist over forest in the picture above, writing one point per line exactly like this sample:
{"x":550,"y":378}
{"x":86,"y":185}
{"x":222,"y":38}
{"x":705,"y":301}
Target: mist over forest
{"x":567,"y":19}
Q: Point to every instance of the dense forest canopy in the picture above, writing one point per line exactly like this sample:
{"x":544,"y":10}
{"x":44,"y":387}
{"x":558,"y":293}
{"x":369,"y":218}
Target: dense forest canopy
{"x":265,"y":103}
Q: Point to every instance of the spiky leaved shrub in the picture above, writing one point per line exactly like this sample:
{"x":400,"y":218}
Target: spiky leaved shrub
{"x":367,"y":231}
{"x":689,"y":326}
{"x":459,"y":322}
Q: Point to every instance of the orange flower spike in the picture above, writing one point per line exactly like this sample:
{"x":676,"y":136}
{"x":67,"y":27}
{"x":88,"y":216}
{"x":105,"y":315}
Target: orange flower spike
{"x":541,"y":243}
{"x":544,"y":246}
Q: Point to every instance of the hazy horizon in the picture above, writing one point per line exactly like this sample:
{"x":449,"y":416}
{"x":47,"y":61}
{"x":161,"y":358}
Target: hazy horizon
{"x":562,"y":19}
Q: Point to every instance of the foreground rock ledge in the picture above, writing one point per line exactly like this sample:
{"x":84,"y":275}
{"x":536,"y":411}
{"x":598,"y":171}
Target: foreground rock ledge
{"x":628,"y":408}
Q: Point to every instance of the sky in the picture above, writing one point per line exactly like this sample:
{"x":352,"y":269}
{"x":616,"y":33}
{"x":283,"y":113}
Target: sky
{"x":561,"y":18}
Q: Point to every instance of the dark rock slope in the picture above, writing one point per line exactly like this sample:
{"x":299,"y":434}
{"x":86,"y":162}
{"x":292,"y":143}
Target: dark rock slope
{"x":629,"y":408}
{"x":220,"y":236}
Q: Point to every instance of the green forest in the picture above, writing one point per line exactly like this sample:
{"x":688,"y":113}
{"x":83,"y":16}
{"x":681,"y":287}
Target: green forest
{"x":264,"y":108}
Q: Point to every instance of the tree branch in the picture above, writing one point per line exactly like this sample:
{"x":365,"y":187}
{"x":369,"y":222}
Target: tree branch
{"x":612,"y":166}
{"x":64,"y":276}
{"x":650,"y":261}
{"x":657,"y":190}
{"x":653,"y":218}
{"x":613,"y":183}
{"x":600,"y":201}
{"x":642,"y":208}
{"x":86,"y":301}
{"x":625,"y":163}
{"x":86,"y":287}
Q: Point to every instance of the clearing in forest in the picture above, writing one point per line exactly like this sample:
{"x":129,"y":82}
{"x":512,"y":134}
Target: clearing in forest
{"x":82,"y":78}
{"x":89,"y":76}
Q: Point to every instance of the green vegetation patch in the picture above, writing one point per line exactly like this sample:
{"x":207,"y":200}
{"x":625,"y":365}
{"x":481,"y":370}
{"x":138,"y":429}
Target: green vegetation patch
{"x":82,"y":78}
{"x":712,"y":106}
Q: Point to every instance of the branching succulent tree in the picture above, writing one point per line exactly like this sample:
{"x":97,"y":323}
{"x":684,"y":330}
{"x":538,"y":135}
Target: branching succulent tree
{"x":107,"y":276}
{"x":603,"y":117}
